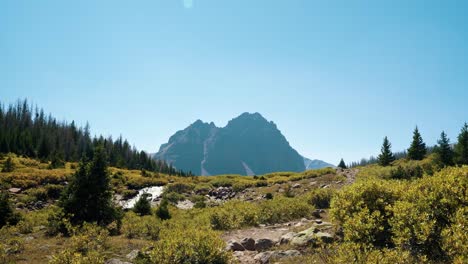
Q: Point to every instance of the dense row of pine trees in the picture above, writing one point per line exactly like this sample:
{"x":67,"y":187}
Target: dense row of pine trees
{"x":448,"y":154}
{"x":29,"y":132}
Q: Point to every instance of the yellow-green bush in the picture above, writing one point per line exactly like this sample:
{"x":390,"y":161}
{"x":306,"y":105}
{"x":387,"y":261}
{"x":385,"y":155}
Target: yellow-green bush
{"x":427,"y":207}
{"x":182,"y":244}
{"x":320,"y":198}
{"x":144,"y":227}
{"x":363,"y":211}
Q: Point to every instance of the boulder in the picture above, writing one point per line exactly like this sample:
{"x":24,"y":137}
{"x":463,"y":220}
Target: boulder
{"x":312,"y":235}
{"x":116,"y":261}
{"x":263,"y":257}
{"x":234,"y":246}
{"x":286,"y":238}
{"x":296,"y":185}
{"x":263,"y":243}
{"x":248,"y":243}
{"x":14,"y":190}
{"x":133,"y":254}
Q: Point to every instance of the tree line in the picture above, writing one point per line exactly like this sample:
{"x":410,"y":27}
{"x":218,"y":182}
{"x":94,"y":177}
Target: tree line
{"x":448,"y":154}
{"x":28,"y":131}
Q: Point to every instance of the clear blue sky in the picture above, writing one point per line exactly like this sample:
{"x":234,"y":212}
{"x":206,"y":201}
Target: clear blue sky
{"x":335,"y":76}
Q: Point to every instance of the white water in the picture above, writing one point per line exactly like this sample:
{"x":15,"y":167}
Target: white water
{"x":153,"y":192}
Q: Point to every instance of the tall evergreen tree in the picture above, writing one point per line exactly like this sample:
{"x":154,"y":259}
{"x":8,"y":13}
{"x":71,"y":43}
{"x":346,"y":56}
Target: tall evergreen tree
{"x":443,"y":150}
{"x":386,"y":156}
{"x":9,"y":165}
{"x":342,"y":164}
{"x":7,"y":215}
{"x":142,"y":206}
{"x":88,"y":197}
{"x":461,"y":149}
{"x":417,"y":150}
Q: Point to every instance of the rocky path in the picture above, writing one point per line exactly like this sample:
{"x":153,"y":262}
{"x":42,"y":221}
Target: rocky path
{"x":264,"y":243}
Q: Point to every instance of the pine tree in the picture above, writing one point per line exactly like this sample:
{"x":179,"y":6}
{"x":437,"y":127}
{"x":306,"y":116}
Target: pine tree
{"x":9,"y":165}
{"x":7,"y":215}
{"x":461,"y":149}
{"x":417,"y":150}
{"x":386,"y":156}
{"x":444,"y":151}
{"x":142,"y":206}
{"x":163,"y":212}
{"x":342,"y":164}
{"x":88,"y":197}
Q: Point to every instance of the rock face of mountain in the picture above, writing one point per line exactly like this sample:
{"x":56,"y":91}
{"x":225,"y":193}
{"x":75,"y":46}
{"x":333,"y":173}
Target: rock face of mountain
{"x":316,"y":164}
{"x":248,"y":145}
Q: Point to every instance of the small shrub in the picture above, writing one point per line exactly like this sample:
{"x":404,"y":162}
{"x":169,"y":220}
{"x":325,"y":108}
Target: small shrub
{"x":269,"y":196}
{"x":142,"y":206}
{"x":9,"y":165}
{"x":163,"y":211}
{"x":321,"y":198}
{"x":188,"y":245}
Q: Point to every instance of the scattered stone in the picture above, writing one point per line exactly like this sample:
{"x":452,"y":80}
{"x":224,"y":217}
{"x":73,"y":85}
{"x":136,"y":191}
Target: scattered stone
{"x":318,"y":221}
{"x":312,"y":183}
{"x":316,"y":213}
{"x":29,"y":238}
{"x":15,"y":190}
{"x":234,"y":246}
{"x":311,"y":235}
{"x":248,"y":243}
{"x":296,"y":185}
{"x":263,"y":257}
{"x":185,"y":204}
{"x":116,"y":261}
{"x":286,"y":238}
{"x":263,"y":243}
{"x":133,"y":254}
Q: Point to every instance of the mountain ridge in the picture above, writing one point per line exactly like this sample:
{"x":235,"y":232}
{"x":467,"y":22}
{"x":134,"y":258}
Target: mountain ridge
{"x":249,"y":144}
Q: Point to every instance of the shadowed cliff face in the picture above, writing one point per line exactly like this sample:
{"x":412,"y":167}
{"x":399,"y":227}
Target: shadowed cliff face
{"x":249,"y":144}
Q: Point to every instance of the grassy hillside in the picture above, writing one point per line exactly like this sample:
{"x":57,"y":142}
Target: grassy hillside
{"x":412,"y":211}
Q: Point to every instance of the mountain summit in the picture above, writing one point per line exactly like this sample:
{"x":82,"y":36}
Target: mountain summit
{"x":249,"y":144}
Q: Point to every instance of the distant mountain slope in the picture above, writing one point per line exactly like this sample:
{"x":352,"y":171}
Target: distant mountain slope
{"x":248,"y":145}
{"x":316,"y":164}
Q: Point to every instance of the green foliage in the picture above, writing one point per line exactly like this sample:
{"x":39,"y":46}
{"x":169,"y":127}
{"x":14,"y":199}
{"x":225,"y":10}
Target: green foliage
{"x":426,"y":208}
{"x":362,"y":209}
{"x":461,"y":148}
{"x":426,"y":216}
{"x":417,"y":150}
{"x":188,"y":245}
{"x":237,"y":214}
{"x":9,"y":165}
{"x":320,"y":198}
{"x":444,"y":151}
{"x":407,"y":172}
{"x":342,"y":164}
{"x":142,"y":206}
{"x":269,"y":196}
{"x":88,"y":197}
{"x":7,"y":215}
{"x":144,"y":227}
{"x":386,"y":156}
{"x":86,"y":246}
{"x":163,"y":211}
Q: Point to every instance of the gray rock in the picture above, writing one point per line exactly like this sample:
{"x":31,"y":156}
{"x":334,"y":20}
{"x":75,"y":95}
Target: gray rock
{"x":286,"y":238}
{"x":248,"y":243}
{"x":263,"y":257}
{"x":263,"y":243}
{"x":14,"y":190}
{"x":312,"y":235}
{"x":133,"y":254}
{"x":116,"y":261}
{"x":234,"y":246}
{"x":296,"y":185}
